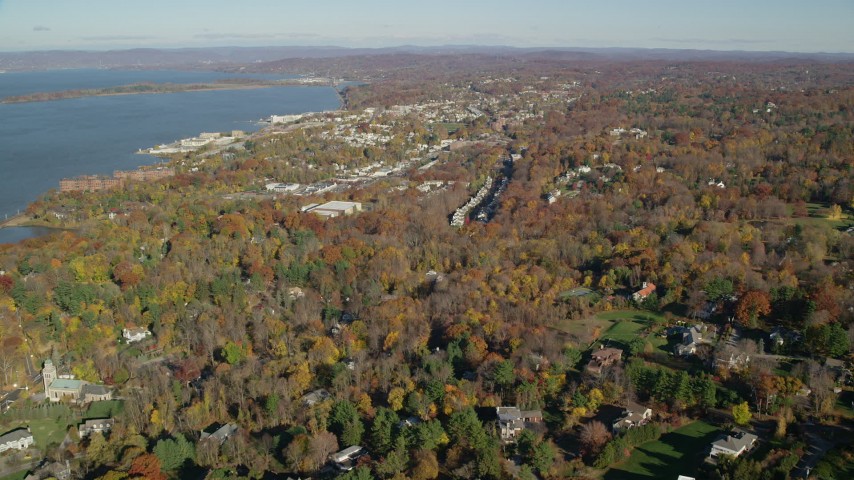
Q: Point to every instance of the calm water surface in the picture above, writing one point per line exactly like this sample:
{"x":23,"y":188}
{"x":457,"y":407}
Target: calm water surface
{"x":42,"y":142}
{"x":16,"y":234}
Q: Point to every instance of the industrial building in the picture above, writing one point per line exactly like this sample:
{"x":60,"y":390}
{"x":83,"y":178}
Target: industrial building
{"x":334,"y":208}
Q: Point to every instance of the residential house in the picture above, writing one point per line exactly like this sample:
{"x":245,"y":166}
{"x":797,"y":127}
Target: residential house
{"x":732,"y":360}
{"x":315,"y":397}
{"x":780,"y":336}
{"x":777,"y":336}
{"x":693,"y":337}
{"x":18,"y":439}
{"x":604,"y":357}
{"x":95,"y":425}
{"x":511,"y":421}
{"x":135,"y":334}
{"x":733,"y":444}
{"x":647,"y":289}
{"x":220,"y":434}
{"x":408,"y":422}
{"x":345,"y":460}
{"x":634,"y":415}
{"x":707,"y":311}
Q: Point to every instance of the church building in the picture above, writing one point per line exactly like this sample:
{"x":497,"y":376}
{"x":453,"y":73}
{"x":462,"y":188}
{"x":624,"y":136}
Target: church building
{"x":57,"y":389}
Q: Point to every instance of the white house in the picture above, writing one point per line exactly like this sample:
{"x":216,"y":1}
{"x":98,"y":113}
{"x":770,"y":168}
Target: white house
{"x":18,"y":439}
{"x":135,"y":334}
{"x":95,"y":425}
{"x":633,"y":416}
{"x":344,"y":460}
{"x":734,"y":444}
{"x":735,"y":360}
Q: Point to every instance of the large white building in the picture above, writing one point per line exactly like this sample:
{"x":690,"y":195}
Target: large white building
{"x":18,"y":439}
{"x":136,"y":334}
{"x":334,"y":208}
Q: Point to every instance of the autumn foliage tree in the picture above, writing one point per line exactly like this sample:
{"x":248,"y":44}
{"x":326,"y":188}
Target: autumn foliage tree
{"x":751,"y":306}
{"x":146,"y":466}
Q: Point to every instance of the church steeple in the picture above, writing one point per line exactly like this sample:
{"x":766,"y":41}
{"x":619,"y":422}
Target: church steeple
{"x":48,"y":375}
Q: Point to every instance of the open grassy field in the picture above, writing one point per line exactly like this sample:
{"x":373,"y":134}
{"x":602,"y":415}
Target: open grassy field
{"x":104,"y":409}
{"x":16,"y":476}
{"x":817,"y":215}
{"x":45,"y":430}
{"x":676,"y":453}
{"x":618,"y":326}
{"x":845,"y":404}
{"x":451,"y":127}
{"x":635,"y":315}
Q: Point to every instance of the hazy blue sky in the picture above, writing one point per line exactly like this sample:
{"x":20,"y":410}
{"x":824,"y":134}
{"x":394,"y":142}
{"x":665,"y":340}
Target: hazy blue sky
{"x":792,"y":25}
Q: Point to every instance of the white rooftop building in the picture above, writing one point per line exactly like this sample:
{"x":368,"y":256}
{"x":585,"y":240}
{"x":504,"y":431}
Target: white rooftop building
{"x":334,"y":208}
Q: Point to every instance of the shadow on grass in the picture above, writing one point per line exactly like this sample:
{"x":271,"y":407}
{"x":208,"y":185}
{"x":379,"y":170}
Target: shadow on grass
{"x":674,"y":454}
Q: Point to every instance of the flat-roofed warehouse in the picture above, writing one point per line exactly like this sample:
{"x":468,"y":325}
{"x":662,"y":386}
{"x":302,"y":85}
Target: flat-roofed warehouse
{"x":335,"y":208}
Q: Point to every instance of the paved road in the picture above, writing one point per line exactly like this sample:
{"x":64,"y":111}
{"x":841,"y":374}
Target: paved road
{"x":819,"y":439}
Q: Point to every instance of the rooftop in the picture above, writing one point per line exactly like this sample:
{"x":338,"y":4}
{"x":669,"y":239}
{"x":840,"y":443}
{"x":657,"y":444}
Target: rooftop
{"x":66,"y":384}
{"x":736,"y":441}
{"x":339,"y":205}
{"x":15,"y":435}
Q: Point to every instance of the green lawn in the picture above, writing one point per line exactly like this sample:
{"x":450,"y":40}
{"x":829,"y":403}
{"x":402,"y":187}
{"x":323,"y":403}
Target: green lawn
{"x":452,"y":127}
{"x":16,"y":476}
{"x":580,"y":328}
{"x":45,"y":430}
{"x":618,"y":326}
{"x":106,"y":409}
{"x":838,"y":463}
{"x":677,"y":453}
{"x":638,"y":315}
{"x":624,"y":330}
{"x":817,"y":215}
{"x":577,"y":292}
{"x":845,"y":404}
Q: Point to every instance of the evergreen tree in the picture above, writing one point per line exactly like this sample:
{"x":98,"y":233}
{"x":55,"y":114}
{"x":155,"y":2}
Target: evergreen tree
{"x":173,"y":453}
{"x":382,"y":430}
{"x":344,"y":422}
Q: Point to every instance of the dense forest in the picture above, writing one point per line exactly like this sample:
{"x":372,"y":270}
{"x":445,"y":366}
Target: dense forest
{"x":726,"y":186}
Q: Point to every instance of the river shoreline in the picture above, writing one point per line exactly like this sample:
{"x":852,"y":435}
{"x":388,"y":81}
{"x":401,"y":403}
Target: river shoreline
{"x":19,"y":220}
{"x":109,"y":92}
{"x":23,"y":220}
{"x":99,"y":137}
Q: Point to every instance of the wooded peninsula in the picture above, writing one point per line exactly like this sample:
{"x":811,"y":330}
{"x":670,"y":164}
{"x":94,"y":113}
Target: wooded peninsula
{"x":153,"y":88}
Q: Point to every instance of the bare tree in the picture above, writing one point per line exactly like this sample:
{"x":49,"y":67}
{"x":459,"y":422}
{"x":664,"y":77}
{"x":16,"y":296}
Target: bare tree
{"x":821,"y":384}
{"x":7,"y":364}
{"x":321,"y":445}
{"x":594,"y":436}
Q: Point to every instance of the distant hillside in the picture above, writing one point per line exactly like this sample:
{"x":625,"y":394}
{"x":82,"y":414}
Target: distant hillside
{"x":214,"y":57}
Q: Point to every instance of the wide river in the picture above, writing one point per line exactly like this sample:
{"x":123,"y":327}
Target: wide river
{"x":42,"y":142}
